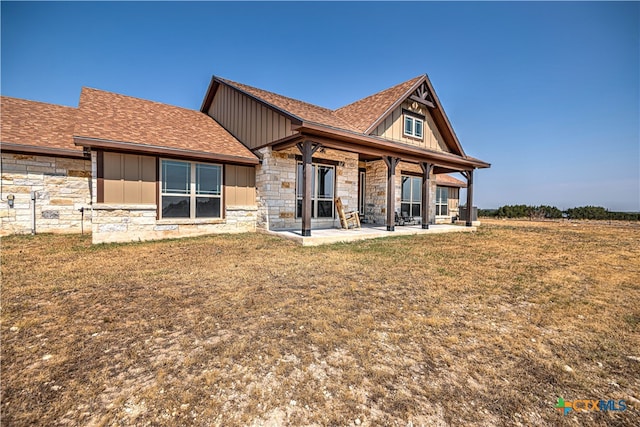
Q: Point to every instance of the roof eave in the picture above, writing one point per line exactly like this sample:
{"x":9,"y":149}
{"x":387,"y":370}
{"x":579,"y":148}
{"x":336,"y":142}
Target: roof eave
{"x":440,"y":110}
{"x":294,"y":119}
{"x":46,"y":151}
{"x":85,"y":141}
{"x":449,"y":184}
{"x":209,"y":95}
{"x":468,"y":163}
{"x":393,"y":106}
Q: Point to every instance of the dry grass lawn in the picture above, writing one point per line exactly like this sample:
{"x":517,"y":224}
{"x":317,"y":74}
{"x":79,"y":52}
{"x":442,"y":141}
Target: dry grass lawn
{"x":481,"y":329}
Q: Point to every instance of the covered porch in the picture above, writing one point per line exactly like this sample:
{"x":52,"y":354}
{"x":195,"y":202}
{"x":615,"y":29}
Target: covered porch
{"x":395,"y":159}
{"x":337,"y":235}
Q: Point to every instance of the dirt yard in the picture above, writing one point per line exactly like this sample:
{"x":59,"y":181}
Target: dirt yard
{"x":481,"y":329}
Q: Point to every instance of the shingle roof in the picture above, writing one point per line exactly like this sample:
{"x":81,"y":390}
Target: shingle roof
{"x":300,"y":109}
{"x":355,"y":117}
{"x":359,"y":117}
{"x":32,"y":123}
{"x":363,"y":113}
{"x":449,"y":181}
{"x":109,"y":116}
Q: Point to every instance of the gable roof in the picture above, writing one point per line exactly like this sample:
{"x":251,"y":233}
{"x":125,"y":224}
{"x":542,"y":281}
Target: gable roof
{"x":360,"y":117}
{"x":37,"y":127}
{"x":364,"y":112}
{"x":298,"y":110}
{"x":107,"y":119}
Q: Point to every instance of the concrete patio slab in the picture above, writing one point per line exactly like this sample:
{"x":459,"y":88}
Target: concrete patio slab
{"x":336,"y":235}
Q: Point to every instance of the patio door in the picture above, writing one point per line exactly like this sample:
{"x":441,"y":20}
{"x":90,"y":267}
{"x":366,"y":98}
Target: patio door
{"x":361,"y":192}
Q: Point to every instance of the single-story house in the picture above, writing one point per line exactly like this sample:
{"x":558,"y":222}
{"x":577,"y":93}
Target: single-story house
{"x":131,"y":169}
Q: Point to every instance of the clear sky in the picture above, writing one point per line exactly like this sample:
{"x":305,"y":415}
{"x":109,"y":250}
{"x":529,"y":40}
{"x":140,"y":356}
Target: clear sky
{"x":548,"y":92}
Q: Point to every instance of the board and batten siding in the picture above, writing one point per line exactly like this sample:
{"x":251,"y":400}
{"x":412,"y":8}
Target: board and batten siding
{"x":240,"y":185}
{"x":248,"y":120}
{"x":128,"y":179}
{"x":392,"y":128}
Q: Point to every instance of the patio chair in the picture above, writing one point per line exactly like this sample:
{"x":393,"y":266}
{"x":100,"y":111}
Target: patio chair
{"x":409,"y":220}
{"x":398,"y":219}
{"x":347,"y":219}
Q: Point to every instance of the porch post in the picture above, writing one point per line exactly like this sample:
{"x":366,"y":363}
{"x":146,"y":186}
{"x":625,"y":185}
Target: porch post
{"x":426,"y":187}
{"x":391,"y":162}
{"x":307,"y":148}
{"x":469,"y":175}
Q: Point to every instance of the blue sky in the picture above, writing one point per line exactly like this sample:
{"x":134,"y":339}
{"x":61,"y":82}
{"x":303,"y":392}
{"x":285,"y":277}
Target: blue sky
{"x":548,"y":92}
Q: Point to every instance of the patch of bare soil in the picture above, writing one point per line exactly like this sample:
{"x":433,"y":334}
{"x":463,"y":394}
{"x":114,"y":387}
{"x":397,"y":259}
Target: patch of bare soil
{"x":489,"y":328}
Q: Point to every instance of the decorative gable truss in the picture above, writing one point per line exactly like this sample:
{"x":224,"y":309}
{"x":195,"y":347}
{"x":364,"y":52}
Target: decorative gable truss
{"x":423,"y":95}
{"x":421,"y":98}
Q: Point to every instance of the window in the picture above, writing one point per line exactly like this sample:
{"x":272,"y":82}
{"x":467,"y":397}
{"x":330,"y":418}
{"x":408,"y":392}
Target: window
{"x":322,"y":182}
{"x":361,"y":192}
{"x":411,"y":200}
{"x":442,"y":201}
{"x":191,"y":190}
{"x":413,"y":126}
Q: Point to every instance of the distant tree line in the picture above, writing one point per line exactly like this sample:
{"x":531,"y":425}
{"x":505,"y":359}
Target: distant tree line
{"x":551,"y":212}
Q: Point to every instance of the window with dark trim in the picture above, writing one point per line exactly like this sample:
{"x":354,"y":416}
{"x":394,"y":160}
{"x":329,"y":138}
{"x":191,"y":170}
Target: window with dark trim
{"x":362,"y":180}
{"x":322,"y":190}
{"x":442,"y":201}
{"x":411,"y":198}
{"x":190,"y":190}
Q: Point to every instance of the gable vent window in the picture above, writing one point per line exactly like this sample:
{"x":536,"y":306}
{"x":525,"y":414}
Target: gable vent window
{"x":413,"y":126}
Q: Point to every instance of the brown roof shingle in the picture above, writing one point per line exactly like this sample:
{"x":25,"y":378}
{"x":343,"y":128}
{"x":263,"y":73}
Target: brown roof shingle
{"x":37,"y":124}
{"x":364,"y":112}
{"x":300,"y":109}
{"x":449,"y":181}
{"x":355,"y":117}
{"x":113,"y":117}
{"x":359,"y":117}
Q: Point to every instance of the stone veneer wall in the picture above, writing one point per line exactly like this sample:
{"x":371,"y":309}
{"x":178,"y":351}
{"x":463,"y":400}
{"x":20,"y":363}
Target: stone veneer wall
{"x":376,"y":190}
{"x":276,"y":187}
{"x":62,"y":186}
{"x":127,"y":223}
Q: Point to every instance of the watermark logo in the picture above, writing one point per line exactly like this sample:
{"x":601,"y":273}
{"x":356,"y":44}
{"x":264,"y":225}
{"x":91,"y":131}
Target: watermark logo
{"x":590,"y":405}
{"x":561,"y":405}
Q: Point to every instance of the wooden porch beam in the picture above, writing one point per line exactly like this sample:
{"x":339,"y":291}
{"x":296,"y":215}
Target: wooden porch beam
{"x":361,"y":149}
{"x":426,"y":190}
{"x":284,"y":143}
{"x":307,"y":148}
{"x":391,"y":162}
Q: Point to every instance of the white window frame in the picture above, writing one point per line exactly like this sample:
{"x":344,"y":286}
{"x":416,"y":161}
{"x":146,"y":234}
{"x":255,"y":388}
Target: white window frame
{"x":414,"y":199}
{"x":314,"y":192}
{"x":440,"y":203}
{"x":413,"y":131}
{"x":193,"y":195}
